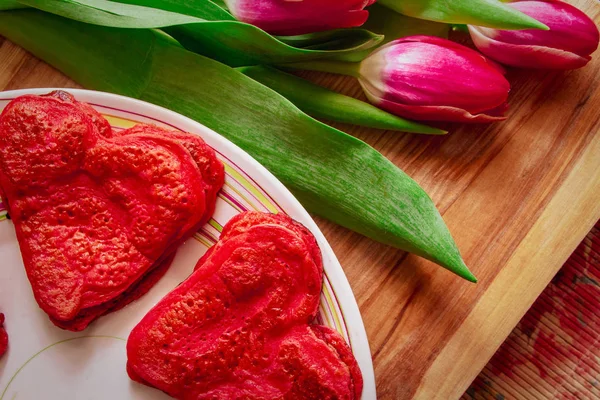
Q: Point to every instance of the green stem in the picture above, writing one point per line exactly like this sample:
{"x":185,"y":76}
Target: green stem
{"x":335,"y":67}
{"x":326,"y":104}
{"x":460,"y":28}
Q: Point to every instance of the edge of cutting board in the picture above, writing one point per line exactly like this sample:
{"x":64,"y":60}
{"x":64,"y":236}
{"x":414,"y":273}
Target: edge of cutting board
{"x":570,"y":215}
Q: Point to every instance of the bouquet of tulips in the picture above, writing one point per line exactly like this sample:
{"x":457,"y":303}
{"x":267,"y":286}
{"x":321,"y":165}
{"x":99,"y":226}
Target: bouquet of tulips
{"x":229,"y":65}
{"x":426,"y":78}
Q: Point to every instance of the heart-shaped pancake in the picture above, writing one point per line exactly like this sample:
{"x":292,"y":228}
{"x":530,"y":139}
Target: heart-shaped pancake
{"x":213,"y":175}
{"x":95,"y":215}
{"x":240,"y":326}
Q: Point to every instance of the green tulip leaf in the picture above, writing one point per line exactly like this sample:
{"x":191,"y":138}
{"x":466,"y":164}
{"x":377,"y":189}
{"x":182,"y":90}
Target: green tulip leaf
{"x":108,"y":13}
{"x":198,"y":29}
{"x":220,"y":3}
{"x":206,"y":9}
{"x":209,"y":10}
{"x":10,"y":5}
{"x":333,"y":174}
{"x":490,"y":13}
{"x":329,"y":40}
{"x":393,"y":25}
{"x":237,"y":44}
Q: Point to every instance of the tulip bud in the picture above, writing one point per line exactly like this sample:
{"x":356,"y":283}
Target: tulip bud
{"x":297,"y":17}
{"x":572,"y":38}
{"x":432,"y":79}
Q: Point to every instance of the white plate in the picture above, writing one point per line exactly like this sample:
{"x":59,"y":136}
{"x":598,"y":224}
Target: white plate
{"x":45,"y":362}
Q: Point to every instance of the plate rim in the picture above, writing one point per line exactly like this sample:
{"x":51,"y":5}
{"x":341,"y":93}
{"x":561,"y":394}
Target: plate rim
{"x":346,"y":299}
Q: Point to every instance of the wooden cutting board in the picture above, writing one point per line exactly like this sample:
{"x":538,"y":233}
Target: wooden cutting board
{"x":518,"y":196}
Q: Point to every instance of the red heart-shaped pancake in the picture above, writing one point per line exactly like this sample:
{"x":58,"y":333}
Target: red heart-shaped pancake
{"x":240,"y":326}
{"x":213,"y":174}
{"x":96,"y":215}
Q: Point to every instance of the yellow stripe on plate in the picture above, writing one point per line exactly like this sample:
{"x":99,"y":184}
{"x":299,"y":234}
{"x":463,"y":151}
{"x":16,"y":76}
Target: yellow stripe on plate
{"x":251,"y":188}
{"x":215,"y":225}
{"x":202,"y":240}
{"x":338,"y":325}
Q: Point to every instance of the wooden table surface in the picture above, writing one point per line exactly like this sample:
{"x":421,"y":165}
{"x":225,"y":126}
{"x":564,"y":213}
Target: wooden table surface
{"x":518,"y":196}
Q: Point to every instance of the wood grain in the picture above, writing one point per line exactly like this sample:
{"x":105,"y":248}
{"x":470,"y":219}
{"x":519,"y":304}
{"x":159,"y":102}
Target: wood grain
{"x":518,"y":196}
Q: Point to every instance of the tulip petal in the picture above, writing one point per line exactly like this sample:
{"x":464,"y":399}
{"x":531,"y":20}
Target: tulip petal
{"x":430,"y":71}
{"x":434,"y":79}
{"x":526,"y":56}
{"x":431,"y":113}
{"x":300,"y":17}
{"x":444,"y":43}
{"x":570,"y":28}
{"x":572,"y":37}
{"x":439,"y":113}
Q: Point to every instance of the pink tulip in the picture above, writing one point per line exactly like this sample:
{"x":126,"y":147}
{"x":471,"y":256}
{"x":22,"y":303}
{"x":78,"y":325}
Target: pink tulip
{"x":296,"y":17}
{"x":572,"y":38}
{"x":432,"y":79}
